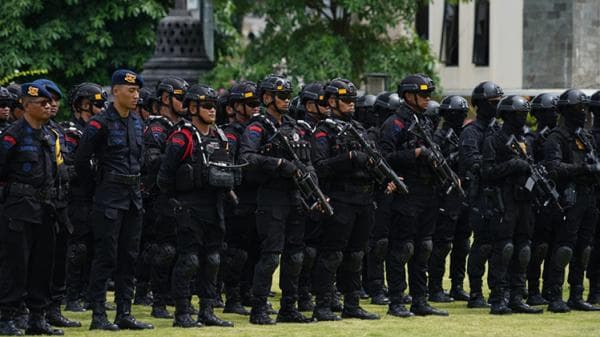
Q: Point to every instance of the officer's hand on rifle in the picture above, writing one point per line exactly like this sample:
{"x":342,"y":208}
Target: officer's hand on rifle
{"x":359,"y":158}
{"x":390,"y":188}
{"x":287,"y":169}
{"x":519,"y":165}
{"x":425,"y":153}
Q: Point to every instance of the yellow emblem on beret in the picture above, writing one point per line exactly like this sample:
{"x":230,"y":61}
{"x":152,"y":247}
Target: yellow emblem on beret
{"x":280,"y":87}
{"x":321,"y":97}
{"x":98,"y":97}
{"x":248,"y":94}
{"x":129,"y":77}
{"x":178,"y":91}
{"x":201,"y":97}
{"x":424,"y":87}
{"x":33,"y":91}
{"x":342,"y":91}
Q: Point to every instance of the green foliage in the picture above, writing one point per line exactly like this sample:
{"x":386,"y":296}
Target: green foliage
{"x":77,"y":40}
{"x":318,"y":40}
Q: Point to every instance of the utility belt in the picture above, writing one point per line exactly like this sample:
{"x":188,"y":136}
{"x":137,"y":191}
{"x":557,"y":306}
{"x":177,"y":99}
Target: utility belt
{"x":216,"y":175}
{"x":355,"y":187}
{"x":122,"y":179}
{"x":25,"y":190}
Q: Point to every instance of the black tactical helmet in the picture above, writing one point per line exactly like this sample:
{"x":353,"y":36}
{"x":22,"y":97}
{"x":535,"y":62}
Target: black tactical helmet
{"x":224,"y":99}
{"x":172,"y":86}
{"x":274,"y":84}
{"x":243,"y":91}
{"x":387,"y":100}
{"x":453,"y":103}
{"x":296,"y":110}
{"x":200,"y":93}
{"x":7,"y":97}
{"x":340,"y":87}
{"x":433,"y":112}
{"x":573,"y":97}
{"x":147,"y":98}
{"x":91,"y":91}
{"x":485,"y":91}
{"x":366,"y":102}
{"x":544,"y":101}
{"x":595,"y":99}
{"x":513,"y":103}
{"x":416,"y":83}
{"x":312,"y":92}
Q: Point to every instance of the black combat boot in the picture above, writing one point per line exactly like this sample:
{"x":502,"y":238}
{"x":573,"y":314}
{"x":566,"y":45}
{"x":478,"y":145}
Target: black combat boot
{"x":38,"y":325}
{"x":7,"y":324}
{"x":476,"y":300}
{"x":440,"y":297}
{"x":125,"y":319}
{"x":534,"y":297}
{"x":206,"y":315}
{"x":99,"y":319}
{"x":74,"y":306}
{"x":305,"y":300}
{"x":576,"y":301}
{"x":182,"y":315}
{"x":594,"y":295}
{"x":259,"y":314}
{"x":420,"y":307}
{"x":143,"y":295}
{"x":517,"y":305}
{"x":233,"y":305}
{"x":352,"y":308}
{"x":458,"y":293}
{"x":399,"y":310}
{"x":322,"y":311}
{"x":499,"y":303}
{"x":56,"y":318}
{"x":159,"y":308}
{"x":288,"y":313}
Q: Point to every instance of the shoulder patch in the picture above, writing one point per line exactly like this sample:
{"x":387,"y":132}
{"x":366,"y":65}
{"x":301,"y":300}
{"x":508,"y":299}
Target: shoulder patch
{"x":95,"y":124}
{"x":320,"y":134}
{"x":398,"y":123}
{"x":255,"y":128}
{"x":231,"y":137}
{"x":9,"y":139}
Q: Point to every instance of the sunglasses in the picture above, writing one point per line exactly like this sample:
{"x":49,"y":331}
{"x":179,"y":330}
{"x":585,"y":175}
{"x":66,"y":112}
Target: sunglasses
{"x":284,"y":95}
{"x":5,"y":104}
{"x":323,"y":104}
{"x":208,"y":105}
{"x":98,"y":104}
{"x":253,"y":103}
{"x":178,"y":97}
{"x":424,"y":94}
{"x":348,"y":99}
{"x":41,"y":102}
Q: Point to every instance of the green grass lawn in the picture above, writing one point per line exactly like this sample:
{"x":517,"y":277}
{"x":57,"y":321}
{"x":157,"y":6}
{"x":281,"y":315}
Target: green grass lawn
{"x":462,"y":322}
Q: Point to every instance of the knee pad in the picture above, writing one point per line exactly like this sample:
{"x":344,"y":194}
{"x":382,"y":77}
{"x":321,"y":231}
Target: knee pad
{"x":294,"y":262}
{"x":540,"y":251}
{"x":77,"y":254}
{"x":189,"y":264}
{"x":353,"y":261}
{"x":380,"y":249}
{"x":164,"y":255}
{"x":310,"y":253}
{"x":562,"y":256}
{"x":507,"y":253}
{"x":269,"y":262}
{"x":148,"y":252}
{"x":585,"y":256}
{"x":403,"y":253}
{"x":332,"y":260}
{"x":424,"y":253}
{"x":524,"y":256}
{"x":213,"y":259}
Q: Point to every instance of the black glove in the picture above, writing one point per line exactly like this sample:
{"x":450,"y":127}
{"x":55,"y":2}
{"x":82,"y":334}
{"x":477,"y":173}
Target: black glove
{"x":519,"y":165}
{"x":287,"y":168}
{"x":359,"y":158}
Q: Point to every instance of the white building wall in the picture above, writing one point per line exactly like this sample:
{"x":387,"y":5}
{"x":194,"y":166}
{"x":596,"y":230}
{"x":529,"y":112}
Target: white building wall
{"x":506,"y":46}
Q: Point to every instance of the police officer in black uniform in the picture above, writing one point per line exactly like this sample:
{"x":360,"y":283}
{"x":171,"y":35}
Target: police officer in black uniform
{"x":147,"y":104}
{"x":414,"y":215}
{"x":159,"y":229}
{"x":485,"y":98}
{"x":576,"y":175}
{"x":114,"y":138}
{"x":240,"y":256}
{"x":544,"y":109}
{"x":386,"y":103}
{"x":452,"y":229}
{"x":341,"y":166}
{"x":504,"y":173}
{"x":7,"y":101}
{"x":29,"y":155}
{"x":279,"y":215}
{"x":85,"y":100}
{"x":191,"y":175}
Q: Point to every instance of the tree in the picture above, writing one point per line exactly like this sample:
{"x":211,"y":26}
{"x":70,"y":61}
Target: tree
{"x":321,"y":39}
{"x":77,"y":40}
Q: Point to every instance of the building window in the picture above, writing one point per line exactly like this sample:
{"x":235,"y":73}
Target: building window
{"x":449,"y":46}
{"x":481,"y":39}
{"x":422,"y":21}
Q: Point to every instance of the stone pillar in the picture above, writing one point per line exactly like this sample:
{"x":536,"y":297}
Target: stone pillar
{"x":184,"y":45}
